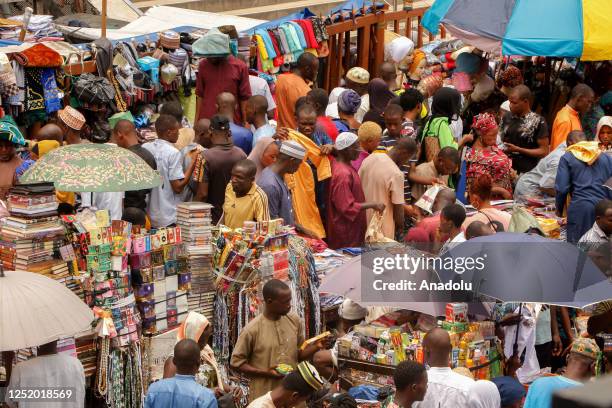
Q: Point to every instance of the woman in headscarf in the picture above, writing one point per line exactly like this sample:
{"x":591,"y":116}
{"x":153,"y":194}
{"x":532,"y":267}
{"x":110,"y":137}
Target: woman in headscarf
{"x":264,"y":154}
{"x":484,"y":394}
{"x":417,"y":68}
{"x":380,"y":95}
{"x":486,"y":158}
{"x":604,"y":134}
{"x":197,"y":328}
{"x":348,"y":104}
{"x":509,"y":78}
{"x":437,"y":133}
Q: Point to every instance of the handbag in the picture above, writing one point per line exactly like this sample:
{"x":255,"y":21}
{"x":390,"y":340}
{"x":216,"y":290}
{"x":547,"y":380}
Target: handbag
{"x":93,"y":90}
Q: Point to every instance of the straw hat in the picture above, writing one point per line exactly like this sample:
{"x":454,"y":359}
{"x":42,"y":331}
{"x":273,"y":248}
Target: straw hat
{"x":72,"y":118}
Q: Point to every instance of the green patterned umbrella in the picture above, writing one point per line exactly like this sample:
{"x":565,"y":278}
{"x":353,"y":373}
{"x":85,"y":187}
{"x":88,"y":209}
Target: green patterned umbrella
{"x":93,"y":167}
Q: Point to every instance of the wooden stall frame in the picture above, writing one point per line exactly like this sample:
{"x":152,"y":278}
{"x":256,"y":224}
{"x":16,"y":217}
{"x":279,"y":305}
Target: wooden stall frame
{"x":370,"y":34}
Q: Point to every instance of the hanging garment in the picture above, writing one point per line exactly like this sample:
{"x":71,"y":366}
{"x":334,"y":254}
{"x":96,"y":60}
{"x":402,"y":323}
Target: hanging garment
{"x":52,"y":95}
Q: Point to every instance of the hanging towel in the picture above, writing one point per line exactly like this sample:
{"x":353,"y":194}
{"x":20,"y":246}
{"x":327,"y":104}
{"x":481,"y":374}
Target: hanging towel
{"x":300,"y":34}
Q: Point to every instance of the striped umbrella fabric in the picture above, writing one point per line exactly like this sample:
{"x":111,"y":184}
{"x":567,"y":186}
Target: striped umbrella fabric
{"x":552,"y":28}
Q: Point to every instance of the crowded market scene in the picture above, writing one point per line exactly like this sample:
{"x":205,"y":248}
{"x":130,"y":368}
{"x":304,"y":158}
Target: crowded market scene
{"x":193,"y":211}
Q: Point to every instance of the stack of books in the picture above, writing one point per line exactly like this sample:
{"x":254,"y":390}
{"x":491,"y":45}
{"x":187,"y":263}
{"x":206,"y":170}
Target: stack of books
{"x":196,"y":229}
{"x":31,"y":237}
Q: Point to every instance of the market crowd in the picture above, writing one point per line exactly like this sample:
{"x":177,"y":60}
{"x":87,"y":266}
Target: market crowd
{"x":398,"y":152}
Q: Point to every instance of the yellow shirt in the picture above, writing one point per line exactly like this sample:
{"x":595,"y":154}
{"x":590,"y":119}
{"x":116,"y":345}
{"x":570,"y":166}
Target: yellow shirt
{"x":567,"y":119}
{"x":302,"y":185}
{"x":252,"y":207}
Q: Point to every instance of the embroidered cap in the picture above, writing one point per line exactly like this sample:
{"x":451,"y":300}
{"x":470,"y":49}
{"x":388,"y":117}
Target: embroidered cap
{"x":72,"y":118}
{"x":586,"y":347}
{"x":358,"y":75}
{"x":293,"y":149}
{"x":344,"y":140}
{"x":350,"y":310}
{"x":310,"y":375}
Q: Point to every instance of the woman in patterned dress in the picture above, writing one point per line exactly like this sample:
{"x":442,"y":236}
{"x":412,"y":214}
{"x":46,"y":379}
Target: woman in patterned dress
{"x":486,"y":158}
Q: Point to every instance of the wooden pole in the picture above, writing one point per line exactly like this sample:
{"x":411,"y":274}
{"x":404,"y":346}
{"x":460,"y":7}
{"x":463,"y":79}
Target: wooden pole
{"x":27,"y":15}
{"x":103,"y":19}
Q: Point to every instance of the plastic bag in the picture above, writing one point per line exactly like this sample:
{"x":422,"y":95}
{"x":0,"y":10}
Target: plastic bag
{"x":374,"y":233}
{"x":427,"y":200}
{"x":522,"y":221}
{"x":94,"y":90}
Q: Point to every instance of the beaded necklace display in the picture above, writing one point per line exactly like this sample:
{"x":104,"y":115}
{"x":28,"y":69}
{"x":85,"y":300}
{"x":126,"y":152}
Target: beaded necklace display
{"x":102,"y":384}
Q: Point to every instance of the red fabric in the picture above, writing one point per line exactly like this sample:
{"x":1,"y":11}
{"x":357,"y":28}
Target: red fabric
{"x":311,"y":39}
{"x":431,"y":225}
{"x":231,"y":75}
{"x":41,"y":56}
{"x":278,"y":60}
{"x":417,"y":235}
{"x":346,"y":221}
{"x":327,"y":125}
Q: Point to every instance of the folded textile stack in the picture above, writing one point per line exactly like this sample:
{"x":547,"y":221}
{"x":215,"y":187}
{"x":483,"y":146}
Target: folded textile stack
{"x":9,"y":29}
{"x":32,"y":236}
{"x":195,"y":222}
{"x":39,"y":26}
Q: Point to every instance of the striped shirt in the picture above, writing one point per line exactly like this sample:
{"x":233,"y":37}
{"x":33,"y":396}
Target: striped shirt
{"x":387,"y":142}
{"x":251,"y":207}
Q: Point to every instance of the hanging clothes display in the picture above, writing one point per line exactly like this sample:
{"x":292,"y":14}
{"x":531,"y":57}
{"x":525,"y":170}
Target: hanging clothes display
{"x":285,"y":43}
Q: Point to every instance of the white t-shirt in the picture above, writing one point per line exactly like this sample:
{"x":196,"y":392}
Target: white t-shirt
{"x":259,"y":86}
{"x":55,"y":371}
{"x":445,"y":388}
{"x":163,"y":200}
{"x":332,"y":107}
{"x":111,"y":201}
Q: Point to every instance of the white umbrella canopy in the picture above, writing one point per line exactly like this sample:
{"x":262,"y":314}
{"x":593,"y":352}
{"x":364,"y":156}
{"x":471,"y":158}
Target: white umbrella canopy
{"x":35,"y":310}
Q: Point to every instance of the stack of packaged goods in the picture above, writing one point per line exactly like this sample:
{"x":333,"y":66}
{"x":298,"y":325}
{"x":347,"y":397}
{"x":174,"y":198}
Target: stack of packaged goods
{"x":31,"y":237}
{"x":86,"y":352}
{"x":161,"y":278}
{"x":474,"y":346}
{"x":195,"y":222}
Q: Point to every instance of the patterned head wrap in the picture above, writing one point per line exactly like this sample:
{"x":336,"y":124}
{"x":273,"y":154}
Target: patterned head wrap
{"x":10,"y":132}
{"x":349,"y":102}
{"x":484,"y":122}
{"x":417,"y":57}
{"x":510,"y":77}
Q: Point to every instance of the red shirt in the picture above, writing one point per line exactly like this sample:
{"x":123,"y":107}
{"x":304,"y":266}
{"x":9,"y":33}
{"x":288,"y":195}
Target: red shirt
{"x":327,"y":125}
{"x":231,"y":75}
{"x":346,"y":220}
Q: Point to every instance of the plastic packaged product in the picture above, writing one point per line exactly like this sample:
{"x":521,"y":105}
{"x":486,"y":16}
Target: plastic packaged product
{"x":455,"y":358}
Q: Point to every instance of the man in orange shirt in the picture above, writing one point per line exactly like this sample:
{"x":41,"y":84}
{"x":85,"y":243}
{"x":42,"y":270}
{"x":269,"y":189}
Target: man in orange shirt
{"x":568,"y":119}
{"x":290,"y":87}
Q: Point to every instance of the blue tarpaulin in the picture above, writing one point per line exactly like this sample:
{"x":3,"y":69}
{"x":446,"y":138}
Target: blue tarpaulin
{"x":299,"y":15}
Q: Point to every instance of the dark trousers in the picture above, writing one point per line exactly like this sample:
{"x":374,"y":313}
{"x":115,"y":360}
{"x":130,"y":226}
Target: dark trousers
{"x":544,"y":353}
